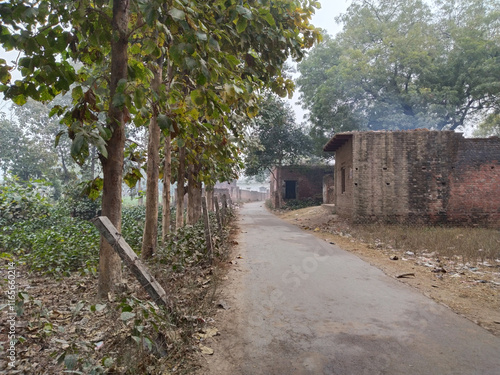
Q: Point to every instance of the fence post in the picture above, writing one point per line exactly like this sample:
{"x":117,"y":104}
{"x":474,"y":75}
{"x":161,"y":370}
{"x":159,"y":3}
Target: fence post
{"x":218,"y":214}
{"x":224,"y":209}
{"x":208,"y":236}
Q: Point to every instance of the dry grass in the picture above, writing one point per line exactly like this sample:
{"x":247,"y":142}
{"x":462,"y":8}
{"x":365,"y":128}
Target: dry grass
{"x":468,"y":244}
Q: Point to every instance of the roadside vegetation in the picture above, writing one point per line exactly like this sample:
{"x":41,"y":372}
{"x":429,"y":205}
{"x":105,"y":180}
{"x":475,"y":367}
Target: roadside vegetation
{"x":64,"y":327}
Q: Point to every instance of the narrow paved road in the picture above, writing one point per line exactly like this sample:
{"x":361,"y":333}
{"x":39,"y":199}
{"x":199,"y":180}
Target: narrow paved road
{"x":303,"y":306}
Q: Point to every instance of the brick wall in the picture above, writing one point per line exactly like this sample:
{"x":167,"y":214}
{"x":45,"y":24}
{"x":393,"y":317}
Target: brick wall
{"x":344,"y":174}
{"x":475,"y":183}
{"x":418,"y":177}
{"x":309,"y":181}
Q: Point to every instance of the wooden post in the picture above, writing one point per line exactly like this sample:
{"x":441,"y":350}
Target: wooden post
{"x":217,"y":213}
{"x":208,"y":236}
{"x":224,"y":209}
{"x":132,"y":261}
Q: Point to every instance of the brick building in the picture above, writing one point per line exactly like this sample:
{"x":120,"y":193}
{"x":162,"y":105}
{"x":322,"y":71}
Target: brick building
{"x":417,"y":176}
{"x":298,"y":182}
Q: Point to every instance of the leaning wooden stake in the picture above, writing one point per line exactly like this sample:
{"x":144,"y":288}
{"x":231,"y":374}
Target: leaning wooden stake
{"x":208,"y":236}
{"x":115,"y":239}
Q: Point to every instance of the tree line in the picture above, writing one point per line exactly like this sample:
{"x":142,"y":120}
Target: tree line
{"x":190,"y":72}
{"x":187,"y":91}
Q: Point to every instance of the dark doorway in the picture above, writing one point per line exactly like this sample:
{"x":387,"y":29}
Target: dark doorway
{"x":290,"y":189}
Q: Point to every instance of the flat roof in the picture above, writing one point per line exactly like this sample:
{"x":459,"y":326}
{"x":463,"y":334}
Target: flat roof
{"x":337,"y":141}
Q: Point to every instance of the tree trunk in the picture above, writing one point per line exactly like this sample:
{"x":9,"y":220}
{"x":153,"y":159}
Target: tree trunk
{"x":92,"y":163}
{"x":194,"y":194}
{"x":179,"y":214}
{"x":140,"y":200}
{"x":110,"y":272}
{"x":150,"y":236}
{"x":209,"y":193}
{"x":167,"y":177}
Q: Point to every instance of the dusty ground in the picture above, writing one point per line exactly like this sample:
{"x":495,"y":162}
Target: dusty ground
{"x":472,"y":291}
{"x":64,"y":326}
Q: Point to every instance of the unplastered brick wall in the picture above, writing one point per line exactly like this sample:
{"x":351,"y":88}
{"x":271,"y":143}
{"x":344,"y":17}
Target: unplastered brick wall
{"x":475,"y":183}
{"x":417,"y":176}
{"x":398,"y":176}
{"x":309,"y":179}
{"x":344,"y":174}
{"x":420,"y":176}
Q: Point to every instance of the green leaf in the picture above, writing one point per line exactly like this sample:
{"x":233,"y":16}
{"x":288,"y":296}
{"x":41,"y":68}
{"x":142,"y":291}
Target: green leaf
{"x":201,"y":36}
{"x":77,"y":145}
{"x":139,"y":98}
{"x":148,"y":343}
{"x":164,"y":122}
{"x":101,"y":147}
{"x":108,"y":362}
{"x":241,"y":25}
{"x":58,"y":137}
{"x":19,"y":99}
{"x":269,"y":19}
{"x":245,"y":12}
{"x":137,"y":339}
{"x":77,"y":93}
{"x":201,"y":79}
{"x":177,"y":14}
{"x":197,"y":97}
{"x":70,"y":361}
{"x":132,"y":177}
{"x":119,"y":100}
{"x":98,"y":307}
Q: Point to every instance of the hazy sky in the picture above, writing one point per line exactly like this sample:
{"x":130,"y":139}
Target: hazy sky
{"x":325,"y":17}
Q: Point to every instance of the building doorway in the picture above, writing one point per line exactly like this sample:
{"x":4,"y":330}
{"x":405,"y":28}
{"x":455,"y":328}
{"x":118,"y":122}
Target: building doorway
{"x":290,"y":189}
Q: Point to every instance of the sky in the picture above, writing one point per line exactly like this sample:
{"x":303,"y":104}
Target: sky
{"x":324,"y":19}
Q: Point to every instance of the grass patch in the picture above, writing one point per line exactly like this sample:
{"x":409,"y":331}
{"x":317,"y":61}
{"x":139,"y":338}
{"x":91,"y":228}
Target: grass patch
{"x":468,"y":244}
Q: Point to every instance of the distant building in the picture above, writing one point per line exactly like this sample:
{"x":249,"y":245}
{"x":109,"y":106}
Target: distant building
{"x":298,"y":182}
{"x":416,"y":176}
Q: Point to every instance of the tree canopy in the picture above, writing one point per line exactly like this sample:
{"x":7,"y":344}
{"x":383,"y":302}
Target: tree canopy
{"x":194,"y":69}
{"x":405,"y":64}
{"x":275,"y":139}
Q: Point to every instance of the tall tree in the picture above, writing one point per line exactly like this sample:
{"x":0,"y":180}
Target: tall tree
{"x":401,"y":64}
{"x":275,"y":139}
{"x":112,"y":163}
{"x":221,"y":53}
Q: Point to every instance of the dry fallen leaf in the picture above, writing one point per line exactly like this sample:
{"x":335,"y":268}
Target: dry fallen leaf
{"x":207,"y":333}
{"x":206,"y":350}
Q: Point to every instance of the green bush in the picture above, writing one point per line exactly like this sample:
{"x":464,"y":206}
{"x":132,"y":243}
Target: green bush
{"x":49,"y":239}
{"x":57,"y":244}
{"x":20,"y":201}
{"x":296,"y":204}
{"x":133,"y":219}
{"x":78,"y":204}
